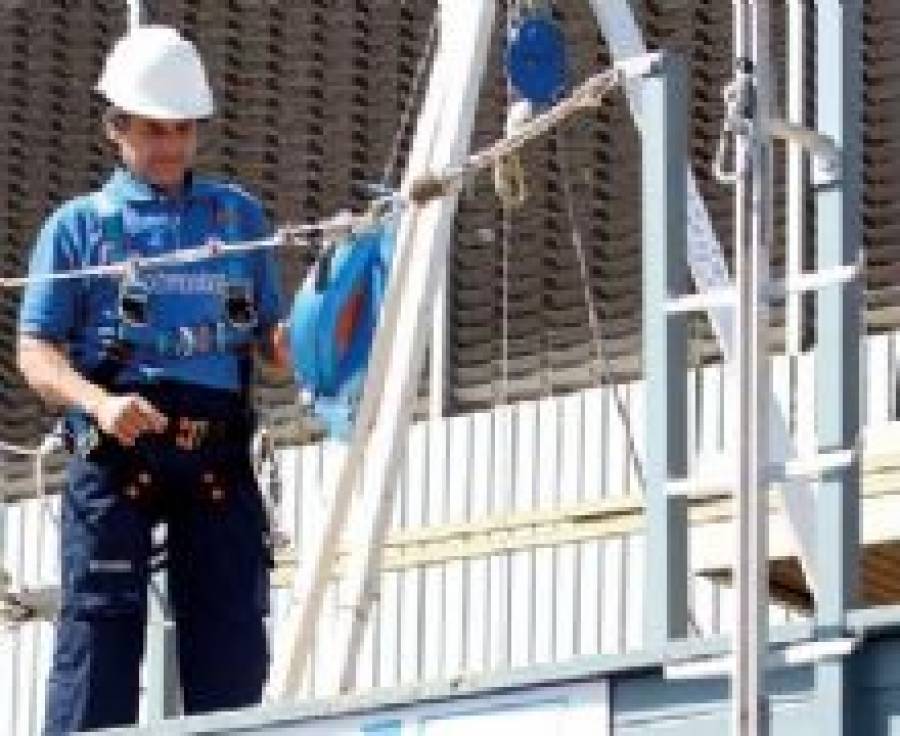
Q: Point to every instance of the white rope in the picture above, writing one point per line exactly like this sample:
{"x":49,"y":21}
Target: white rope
{"x":340,"y":225}
{"x":594,"y":325}
{"x":409,"y":104}
{"x":589,"y":94}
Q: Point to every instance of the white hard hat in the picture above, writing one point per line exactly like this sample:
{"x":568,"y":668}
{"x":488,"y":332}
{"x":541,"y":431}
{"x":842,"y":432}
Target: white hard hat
{"x":154,"y":72}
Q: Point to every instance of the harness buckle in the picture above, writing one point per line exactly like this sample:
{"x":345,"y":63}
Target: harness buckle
{"x":190,"y":433}
{"x":133,"y":303}
{"x":239,"y":306}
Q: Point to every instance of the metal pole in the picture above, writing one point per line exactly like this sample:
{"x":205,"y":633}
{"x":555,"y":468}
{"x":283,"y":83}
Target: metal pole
{"x":837,"y":359}
{"x":796,"y":183}
{"x":665,"y":272}
{"x":753,"y":211}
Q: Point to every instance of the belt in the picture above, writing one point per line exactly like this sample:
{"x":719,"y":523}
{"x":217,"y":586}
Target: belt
{"x":81,"y":436}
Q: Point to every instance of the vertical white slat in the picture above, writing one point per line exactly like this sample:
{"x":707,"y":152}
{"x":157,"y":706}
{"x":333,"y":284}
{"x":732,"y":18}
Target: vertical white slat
{"x":522,"y":563}
{"x":612,"y":595}
{"x":408,"y":639}
{"x":390,"y":651}
{"x":7,"y":663}
{"x":637,"y":452}
{"x":433,"y":623}
{"x":460,"y":449}
{"x":478,"y":613}
{"x":634,"y":599}
{"x":324,"y":662}
{"x":617,"y":458}
{"x":544,"y":603}
{"x":416,"y":474}
{"x":289,"y":510}
{"x":500,"y":603}
{"x":435,"y":590}
{"x":401,"y":494}
{"x":42,"y":545}
{"x":311,"y":498}
{"x":436,"y":507}
{"x":590,"y":592}
{"x":30,"y":679}
{"x":503,"y":479}
{"x":455,"y":604}
{"x":331,"y":460}
{"x":571,"y":449}
{"x":593,"y":443}
{"x":526,"y":480}
{"x":545,"y":558}
{"x":521,"y":603}
{"x":13,"y":553}
{"x":547,"y":452}
{"x":567,"y":612}
{"x":48,"y":574}
{"x":876,"y":389}
{"x":405,"y":629}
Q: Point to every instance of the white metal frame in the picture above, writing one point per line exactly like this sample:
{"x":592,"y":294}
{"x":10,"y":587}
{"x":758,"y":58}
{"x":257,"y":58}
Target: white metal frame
{"x":442,"y":135}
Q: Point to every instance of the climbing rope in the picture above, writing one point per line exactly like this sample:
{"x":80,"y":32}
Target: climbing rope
{"x":603,"y":361}
{"x":425,"y":58}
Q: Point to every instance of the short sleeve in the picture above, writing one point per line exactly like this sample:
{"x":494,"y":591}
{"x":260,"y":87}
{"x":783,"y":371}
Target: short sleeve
{"x":48,"y":308}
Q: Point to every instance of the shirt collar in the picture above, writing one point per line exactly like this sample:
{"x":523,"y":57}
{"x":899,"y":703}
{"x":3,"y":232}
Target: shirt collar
{"x":126,"y":186}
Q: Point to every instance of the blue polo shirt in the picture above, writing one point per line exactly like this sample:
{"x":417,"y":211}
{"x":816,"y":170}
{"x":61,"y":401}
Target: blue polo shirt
{"x":78,"y":313}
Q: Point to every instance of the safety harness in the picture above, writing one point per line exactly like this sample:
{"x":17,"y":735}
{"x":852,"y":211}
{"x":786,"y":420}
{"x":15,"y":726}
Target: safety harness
{"x":133,"y":336}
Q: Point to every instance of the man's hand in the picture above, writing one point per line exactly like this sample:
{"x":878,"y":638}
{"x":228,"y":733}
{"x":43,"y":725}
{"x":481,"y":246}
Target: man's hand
{"x":281,"y":346}
{"x":275,"y":351}
{"x":127,"y":417}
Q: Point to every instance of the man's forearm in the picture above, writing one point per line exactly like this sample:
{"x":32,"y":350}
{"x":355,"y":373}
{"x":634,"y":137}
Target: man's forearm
{"x":47,"y":369}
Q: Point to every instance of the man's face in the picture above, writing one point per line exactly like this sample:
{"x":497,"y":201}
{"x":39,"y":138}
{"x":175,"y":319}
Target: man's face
{"x":159,"y":151}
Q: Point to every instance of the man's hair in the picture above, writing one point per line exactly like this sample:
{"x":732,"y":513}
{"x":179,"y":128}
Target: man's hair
{"x":115,"y":118}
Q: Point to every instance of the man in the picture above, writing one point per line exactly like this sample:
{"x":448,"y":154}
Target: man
{"x":153,"y":369}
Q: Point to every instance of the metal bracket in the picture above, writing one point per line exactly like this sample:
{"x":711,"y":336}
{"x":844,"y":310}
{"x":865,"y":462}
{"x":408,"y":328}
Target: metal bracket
{"x":793,"y":655}
{"x":826,"y":156}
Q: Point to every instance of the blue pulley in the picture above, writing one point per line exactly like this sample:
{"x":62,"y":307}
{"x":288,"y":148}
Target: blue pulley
{"x":536,"y":58}
{"x":333,"y":321}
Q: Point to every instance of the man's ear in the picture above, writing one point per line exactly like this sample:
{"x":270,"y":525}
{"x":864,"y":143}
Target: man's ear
{"x":112,"y":127}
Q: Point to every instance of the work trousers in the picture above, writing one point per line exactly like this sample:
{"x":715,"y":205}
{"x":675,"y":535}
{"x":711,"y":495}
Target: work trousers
{"x":217,"y":565}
